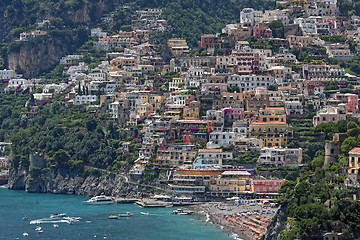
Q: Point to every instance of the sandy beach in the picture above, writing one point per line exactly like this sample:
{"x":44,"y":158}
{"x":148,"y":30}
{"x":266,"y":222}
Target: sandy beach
{"x":245,"y":222}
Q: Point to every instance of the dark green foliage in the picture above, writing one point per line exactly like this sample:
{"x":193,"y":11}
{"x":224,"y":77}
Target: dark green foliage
{"x":67,"y":135}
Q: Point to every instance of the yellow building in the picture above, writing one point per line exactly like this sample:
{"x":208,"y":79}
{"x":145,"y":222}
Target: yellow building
{"x":354,"y":165}
{"x":191,"y":112}
{"x":231,"y":183}
{"x":176,"y":84}
{"x":178,"y":46}
{"x":143,"y":110}
{"x":271,"y":133}
{"x":272,"y":114}
{"x":174,"y":157}
{"x":271,"y":127}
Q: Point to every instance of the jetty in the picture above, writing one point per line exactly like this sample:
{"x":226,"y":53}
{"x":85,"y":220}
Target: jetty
{"x":126,"y":200}
{"x":150,"y":203}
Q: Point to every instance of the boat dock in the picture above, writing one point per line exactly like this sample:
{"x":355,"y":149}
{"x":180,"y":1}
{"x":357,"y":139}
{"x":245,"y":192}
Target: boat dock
{"x":126,"y":200}
{"x":150,"y":203}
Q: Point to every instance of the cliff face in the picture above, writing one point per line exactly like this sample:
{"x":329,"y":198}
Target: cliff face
{"x":277,"y":225}
{"x":60,"y":183}
{"x":32,"y":58}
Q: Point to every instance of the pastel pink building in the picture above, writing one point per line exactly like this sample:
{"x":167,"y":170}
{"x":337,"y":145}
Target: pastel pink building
{"x":330,"y":114}
{"x":351,"y":101}
{"x":262,"y":31}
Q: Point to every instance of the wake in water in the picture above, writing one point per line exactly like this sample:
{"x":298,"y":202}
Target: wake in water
{"x":69,"y":220}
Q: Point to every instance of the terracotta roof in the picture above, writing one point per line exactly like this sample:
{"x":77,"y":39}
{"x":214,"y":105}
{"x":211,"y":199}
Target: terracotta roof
{"x":355,"y":150}
{"x":210,"y":150}
{"x":243,"y":173}
{"x":160,"y":150}
{"x":274,"y":108}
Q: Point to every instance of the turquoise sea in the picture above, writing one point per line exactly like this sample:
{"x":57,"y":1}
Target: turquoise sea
{"x":159,"y":225}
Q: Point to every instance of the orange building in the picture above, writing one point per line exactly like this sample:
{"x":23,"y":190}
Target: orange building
{"x":266,"y":185}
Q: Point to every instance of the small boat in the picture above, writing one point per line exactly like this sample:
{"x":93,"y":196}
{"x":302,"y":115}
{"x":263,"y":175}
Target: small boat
{"x":25,"y":218}
{"x":113,"y":217}
{"x":74,"y":219}
{"x":25,"y":234}
{"x":57,"y":215}
{"x":127,"y":214}
{"x":99,"y":200}
{"x":182,"y":212}
{"x":56,"y":226}
{"x":38,"y":229}
{"x":145,"y":213}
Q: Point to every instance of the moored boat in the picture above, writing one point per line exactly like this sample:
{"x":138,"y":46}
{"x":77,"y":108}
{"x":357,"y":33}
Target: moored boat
{"x":182,"y":212}
{"x":127,"y":214}
{"x":100,"y":200}
{"x":57,"y":215}
{"x":113,"y":217}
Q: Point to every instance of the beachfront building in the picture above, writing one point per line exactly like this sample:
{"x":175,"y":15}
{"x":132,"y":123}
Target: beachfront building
{"x":190,"y":181}
{"x":211,"y":158}
{"x":231,"y":183}
{"x":266,"y":186}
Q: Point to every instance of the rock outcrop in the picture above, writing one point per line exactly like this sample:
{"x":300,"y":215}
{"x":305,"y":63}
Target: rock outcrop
{"x":277,"y":225}
{"x":32,"y":58}
{"x":50,"y":181}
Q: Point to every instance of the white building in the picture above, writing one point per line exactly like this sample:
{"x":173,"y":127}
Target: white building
{"x":307,"y":25}
{"x":249,"y":17}
{"x":14,"y":83}
{"x":211,"y":157}
{"x":97,"y":32}
{"x":42,"y":96}
{"x":222,"y":139}
{"x":7,"y":74}
{"x":85,"y":99}
{"x":249,"y":82}
{"x":280,"y":156}
{"x":70,"y":58}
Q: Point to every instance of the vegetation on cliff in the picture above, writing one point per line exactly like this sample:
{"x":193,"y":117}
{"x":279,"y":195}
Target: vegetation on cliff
{"x":68,"y":135}
{"x":318,"y":199}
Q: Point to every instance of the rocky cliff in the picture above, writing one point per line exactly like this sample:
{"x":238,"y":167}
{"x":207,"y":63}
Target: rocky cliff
{"x":277,"y":225}
{"x":32,"y":58}
{"x":50,"y":181}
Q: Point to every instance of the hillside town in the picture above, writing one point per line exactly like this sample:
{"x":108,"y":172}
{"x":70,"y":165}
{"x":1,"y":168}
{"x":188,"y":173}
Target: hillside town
{"x":226,"y":118}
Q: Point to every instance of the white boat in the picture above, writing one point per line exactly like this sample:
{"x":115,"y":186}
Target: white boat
{"x":99,"y":200}
{"x":57,"y":215}
{"x":127,"y":214}
{"x":25,"y":234}
{"x":38,"y":229}
{"x":182,"y":212}
{"x":145,"y":213}
{"x":56,"y":226}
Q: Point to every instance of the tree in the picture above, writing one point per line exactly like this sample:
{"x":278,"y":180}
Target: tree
{"x":62,"y":157}
{"x":277,"y":28}
{"x":348,"y":144}
{"x":352,"y":125}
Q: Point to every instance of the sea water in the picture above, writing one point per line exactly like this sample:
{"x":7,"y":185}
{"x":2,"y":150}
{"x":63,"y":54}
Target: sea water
{"x":160,"y":224}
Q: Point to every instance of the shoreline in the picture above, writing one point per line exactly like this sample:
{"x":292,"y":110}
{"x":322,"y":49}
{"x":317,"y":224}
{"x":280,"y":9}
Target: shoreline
{"x":209,"y":217}
{"x":244,"y":222}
